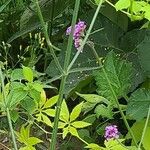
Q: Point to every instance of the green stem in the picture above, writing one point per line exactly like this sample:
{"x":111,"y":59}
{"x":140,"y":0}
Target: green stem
{"x":144,"y":130}
{"x":64,"y":77}
{"x":51,"y":47}
{"x":57,"y":114}
{"x":7,"y":112}
{"x":86,"y":37}
{"x":114,"y":95}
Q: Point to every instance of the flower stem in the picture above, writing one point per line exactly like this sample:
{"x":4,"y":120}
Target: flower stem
{"x":8,"y":112}
{"x":51,"y":47}
{"x":114,"y":95}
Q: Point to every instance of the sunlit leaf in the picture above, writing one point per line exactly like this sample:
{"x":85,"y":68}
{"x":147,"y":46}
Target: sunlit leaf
{"x":76,"y":112}
{"x":80,"y":124}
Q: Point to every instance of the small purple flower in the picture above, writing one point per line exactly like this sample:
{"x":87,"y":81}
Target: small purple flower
{"x":111,"y":132}
{"x":78,"y":33}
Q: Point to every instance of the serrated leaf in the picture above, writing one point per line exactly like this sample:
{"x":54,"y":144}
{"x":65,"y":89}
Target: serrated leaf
{"x":102,"y":110}
{"x":33,"y":141}
{"x":76,"y":112}
{"x":144,"y":54}
{"x":64,"y":113}
{"x":122,"y":4}
{"x":73,"y":131}
{"x":46,"y":120}
{"x":116,"y":74}
{"x":80,"y":124}
{"x":28,"y":74}
{"x":51,"y":102}
{"x":138,"y":104}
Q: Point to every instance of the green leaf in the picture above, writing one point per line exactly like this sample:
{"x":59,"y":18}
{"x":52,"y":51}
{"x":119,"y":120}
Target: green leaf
{"x":76,"y":112}
{"x":102,"y":110}
{"x":144,"y":54}
{"x":73,"y":131}
{"x":14,"y":115}
{"x":93,"y":146}
{"x":33,"y":141}
{"x":93,"y":98}
{"x":2,"y":7}
{"x":122,"y":4}
{"x":46,"y":120}
{"x":28,"y":74}
{"x":146,"y":143}
{"x":37,"y":86}
{"x":138,"y":104}
{"x":116,"y":74}
{"x":147,"y":12}
{"x":80,"y":124}
{"x":64,"y":113}
{"x":65,"y":132}
{"x":17,"y":74}
{"x":138,"y":126}
{"x":51,"y":102}
{"x":49,"y":112}
{"x":61,"y":125}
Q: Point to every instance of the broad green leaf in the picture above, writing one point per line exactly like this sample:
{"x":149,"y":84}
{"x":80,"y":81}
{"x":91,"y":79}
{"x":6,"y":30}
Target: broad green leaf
{"x":76,"y":112}
{"x":14,"y":115}
{"x":73,"y":131}
{"x":138,"y":126}
{"x":65,"y":132}
{"x":115,"y":144}
{"x":51,"y":102}
{"x":122,"y":4}
{"x":93,"y":98}
{"x":146,"y":143}
{"x":49,"y":112}
{"x":15,"y":96}
{"x":138,"y":104}
{"x":64,"y":113}
{"x":116,"y":74}
{"x":28,"y":74}
{"x":33,"y":141}
{"x":102,"y":110}
{"x":37,"y":86}
{"x":46,"y":120}
{"x":80,"y":124}
{"x":29,"y":104}
{"x":17,"y":74}
{"x":144,"y":54}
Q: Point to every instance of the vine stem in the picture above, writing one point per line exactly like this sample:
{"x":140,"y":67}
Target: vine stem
{"x":114,"y":95}
{"x":8,"y":112}
{"x":144,"y":130}
{"x":51,"y":47}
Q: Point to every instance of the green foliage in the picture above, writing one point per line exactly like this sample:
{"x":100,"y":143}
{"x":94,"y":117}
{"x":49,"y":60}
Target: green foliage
{"x":115,"y":74}
{"x":24,"y":137}
{"x":139,"y":103}
{"x":68,"y":120}
{"x":122,"y":4}
{"x":139,"y":126}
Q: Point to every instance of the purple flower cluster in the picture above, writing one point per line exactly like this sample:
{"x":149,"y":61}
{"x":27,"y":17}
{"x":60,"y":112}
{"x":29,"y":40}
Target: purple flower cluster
{"x":111,"y":132}
{"x":78,"y":33}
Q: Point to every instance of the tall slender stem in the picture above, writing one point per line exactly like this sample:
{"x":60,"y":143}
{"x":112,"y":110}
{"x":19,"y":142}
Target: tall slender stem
{"x":144,"y":130}
{"x":114,"y":95}
{"x":51,"y":47}
{"x":7,"y":112}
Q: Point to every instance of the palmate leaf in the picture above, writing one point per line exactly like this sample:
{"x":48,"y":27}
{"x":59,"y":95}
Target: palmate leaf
{"x":115,"y":75}
{"x":139,"y":103}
